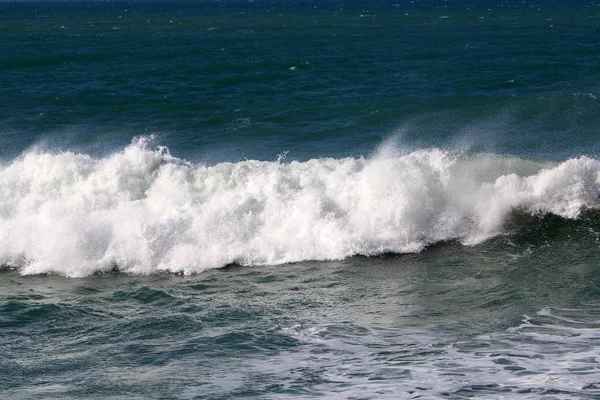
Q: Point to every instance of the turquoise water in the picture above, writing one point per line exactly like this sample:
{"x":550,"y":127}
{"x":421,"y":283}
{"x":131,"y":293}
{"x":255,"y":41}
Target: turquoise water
{"x":269,"y":199}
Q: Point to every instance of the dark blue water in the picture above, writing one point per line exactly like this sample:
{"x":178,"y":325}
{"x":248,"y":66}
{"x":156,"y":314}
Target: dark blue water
{"x":299,"y":199}
{"x":316,"y":79}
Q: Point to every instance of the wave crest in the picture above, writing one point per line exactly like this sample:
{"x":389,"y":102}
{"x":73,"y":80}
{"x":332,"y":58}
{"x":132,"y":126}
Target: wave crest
{"x":145,"y":211}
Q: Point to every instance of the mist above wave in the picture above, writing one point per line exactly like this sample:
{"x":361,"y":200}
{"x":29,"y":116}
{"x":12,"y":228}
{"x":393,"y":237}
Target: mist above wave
{"x":145,"y":211}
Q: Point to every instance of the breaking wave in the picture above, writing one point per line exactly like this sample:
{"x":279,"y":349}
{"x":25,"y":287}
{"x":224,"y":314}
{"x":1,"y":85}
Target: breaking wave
{"x":143,"y":211}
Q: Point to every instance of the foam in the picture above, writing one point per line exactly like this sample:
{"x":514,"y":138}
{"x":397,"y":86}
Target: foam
{"x":144,"y":211}
{"x":542,"y":355}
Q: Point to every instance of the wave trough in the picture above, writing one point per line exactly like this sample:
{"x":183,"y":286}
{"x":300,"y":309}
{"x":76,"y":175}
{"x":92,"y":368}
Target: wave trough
{"x":143,"y":211}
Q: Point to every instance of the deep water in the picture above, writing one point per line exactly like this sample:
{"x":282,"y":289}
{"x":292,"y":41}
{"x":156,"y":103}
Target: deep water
{"x":299,"y":199}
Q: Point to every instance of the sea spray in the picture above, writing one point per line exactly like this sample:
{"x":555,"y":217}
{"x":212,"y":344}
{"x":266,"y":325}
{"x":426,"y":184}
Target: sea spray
{"x":144,"y":211}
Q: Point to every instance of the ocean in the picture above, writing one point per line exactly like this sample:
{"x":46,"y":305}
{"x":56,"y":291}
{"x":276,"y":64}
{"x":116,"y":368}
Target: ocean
{"x":299,"y":199}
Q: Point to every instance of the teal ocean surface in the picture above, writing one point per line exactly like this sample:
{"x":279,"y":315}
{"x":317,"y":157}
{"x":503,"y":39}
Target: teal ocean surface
{"x":295,"y":199}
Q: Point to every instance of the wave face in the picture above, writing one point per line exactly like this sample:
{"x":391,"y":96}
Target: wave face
{"x":143,"y":211}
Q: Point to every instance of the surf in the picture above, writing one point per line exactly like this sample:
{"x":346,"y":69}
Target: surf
{"x":142,"y":210}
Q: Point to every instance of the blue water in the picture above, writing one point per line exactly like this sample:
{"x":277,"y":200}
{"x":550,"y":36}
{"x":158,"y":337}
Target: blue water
{"x":299,"y":199}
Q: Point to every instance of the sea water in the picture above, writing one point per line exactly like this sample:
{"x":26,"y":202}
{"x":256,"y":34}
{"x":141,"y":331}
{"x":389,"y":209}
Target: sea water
{"x":299,"y":199}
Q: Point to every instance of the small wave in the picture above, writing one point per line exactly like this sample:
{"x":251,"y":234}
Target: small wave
{"x":145,"y":211}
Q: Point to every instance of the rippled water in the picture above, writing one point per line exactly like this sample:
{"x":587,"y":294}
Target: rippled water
{"x":447,"y":323}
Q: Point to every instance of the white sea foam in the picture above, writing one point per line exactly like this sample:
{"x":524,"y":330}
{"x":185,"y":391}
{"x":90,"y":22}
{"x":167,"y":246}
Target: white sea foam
{"x":144,"y":211}
{"x":545,"y":356}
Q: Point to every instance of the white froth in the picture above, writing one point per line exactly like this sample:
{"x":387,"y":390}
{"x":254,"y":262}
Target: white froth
{"x":526,"y":361}
{"x":145,"y":211}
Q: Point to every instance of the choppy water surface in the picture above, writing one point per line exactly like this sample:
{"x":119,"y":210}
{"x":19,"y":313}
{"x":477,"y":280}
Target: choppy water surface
{"x":448,"y":323}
